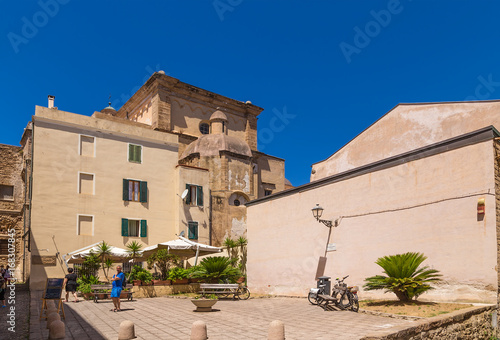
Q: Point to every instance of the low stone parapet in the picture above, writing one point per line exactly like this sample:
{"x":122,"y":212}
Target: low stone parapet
{"x":155,"y":291}
{"x":470,"y":323}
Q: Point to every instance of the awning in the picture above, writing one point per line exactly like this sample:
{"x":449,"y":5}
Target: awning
{"x":78,"y":256}
{"x":182,"y":248}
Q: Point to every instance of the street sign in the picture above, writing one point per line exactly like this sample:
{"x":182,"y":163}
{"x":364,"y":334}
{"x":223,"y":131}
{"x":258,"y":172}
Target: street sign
{"x":331,"y":247}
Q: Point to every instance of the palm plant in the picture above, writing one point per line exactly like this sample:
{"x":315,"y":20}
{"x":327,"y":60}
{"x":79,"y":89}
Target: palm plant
{"x":104,"y":252}
{"x":229,"y":244}
{"x":217,"y":269}
{"x":404,"y":277}
{"x":242,"y":242}
{"x":133,"y":249}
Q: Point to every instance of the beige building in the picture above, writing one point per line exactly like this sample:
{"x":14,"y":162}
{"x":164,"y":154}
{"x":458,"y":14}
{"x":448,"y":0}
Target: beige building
{"x":415,"y":180}
{"x":173,"y":159}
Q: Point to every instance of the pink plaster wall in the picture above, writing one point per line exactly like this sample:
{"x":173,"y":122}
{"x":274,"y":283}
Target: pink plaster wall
{"x":408,"y":127}
{"x":441,"y":194}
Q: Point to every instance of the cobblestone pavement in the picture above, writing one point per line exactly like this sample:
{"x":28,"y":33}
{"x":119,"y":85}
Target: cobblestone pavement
{"x":172,"y":318}
{"x":19,"y":316}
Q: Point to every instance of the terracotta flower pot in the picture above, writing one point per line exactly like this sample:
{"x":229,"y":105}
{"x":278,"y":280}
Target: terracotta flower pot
{"x":137,"y":282}
{"x":180,"y":282}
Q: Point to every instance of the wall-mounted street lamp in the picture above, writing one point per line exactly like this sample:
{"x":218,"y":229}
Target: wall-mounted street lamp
{"x":317,"y":212}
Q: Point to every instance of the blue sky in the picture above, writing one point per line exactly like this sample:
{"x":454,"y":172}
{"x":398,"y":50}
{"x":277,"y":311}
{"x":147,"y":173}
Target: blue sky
{"x":328,"y":69}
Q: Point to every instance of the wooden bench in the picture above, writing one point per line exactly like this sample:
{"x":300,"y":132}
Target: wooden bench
{"x":219,"y":289}
{"x":107,"y":286}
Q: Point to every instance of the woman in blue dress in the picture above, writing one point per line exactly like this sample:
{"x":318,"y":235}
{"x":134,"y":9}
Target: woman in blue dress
{"x":117,"y":288}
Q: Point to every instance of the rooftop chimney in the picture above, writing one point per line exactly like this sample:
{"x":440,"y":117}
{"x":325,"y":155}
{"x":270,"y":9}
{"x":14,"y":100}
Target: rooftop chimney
{"x":51,"y":102}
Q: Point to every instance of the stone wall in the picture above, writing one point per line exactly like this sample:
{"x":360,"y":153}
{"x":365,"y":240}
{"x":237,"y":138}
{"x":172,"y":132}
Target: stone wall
{"x":471,"y":323}
{"x":11,"y":211}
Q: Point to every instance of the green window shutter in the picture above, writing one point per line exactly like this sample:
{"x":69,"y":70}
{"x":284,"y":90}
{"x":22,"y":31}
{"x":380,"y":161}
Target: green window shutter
{"x":144,"y":228}
{"x":134,"y":153}
{"x":199,"y":196}
{"x":193,"y":230}
{"x":188,"y":196}
{"x":130,"y":153}
{"x":137,"y":153}
{"x":124,"y":227}
{"x":144,"y":192}
{"x":125,"y":189}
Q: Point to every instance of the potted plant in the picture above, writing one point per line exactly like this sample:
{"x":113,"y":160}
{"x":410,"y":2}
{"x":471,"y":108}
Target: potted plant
{"x":162,"y":261}
{"x":178,"y":276}
{"x":84,"y":285}
{"x":145,"y":277}
{"x":133,"y":276}
{"x":124,"y":293}
{"x":217,"y":269}
{"x":204,"y":303}
{"x":85,"y":290}
{"x":190,"y":276}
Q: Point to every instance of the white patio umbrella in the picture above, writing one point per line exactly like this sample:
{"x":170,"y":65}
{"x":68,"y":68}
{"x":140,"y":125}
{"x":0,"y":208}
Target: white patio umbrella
{"x":78,"y":256}
{"x":183,"y":248}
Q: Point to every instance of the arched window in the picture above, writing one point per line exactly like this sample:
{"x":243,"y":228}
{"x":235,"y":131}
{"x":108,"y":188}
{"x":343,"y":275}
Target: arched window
{"x":238,"y":199}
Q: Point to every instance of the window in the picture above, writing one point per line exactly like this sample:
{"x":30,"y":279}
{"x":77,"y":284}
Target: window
{"x":268,"y":192}
{"x":193,"y":230}
{"x":85,"y":225}
{"x":6,"y":192}
{"x":237,"y":199}
{"x":134,"y":190}
{"x":86,"y":183}
{"x":81,"y":269}
{"x":87,"y":146}
{"x":135,"y":153}
{"x":127,"y":266}
{"x":195,"y":195}
{"x":134,"y":228}
{"x":4,"y":246}
{"x":204,"y":128}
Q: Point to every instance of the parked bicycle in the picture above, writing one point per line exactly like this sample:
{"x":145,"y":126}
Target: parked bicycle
{"x":342,"y":296}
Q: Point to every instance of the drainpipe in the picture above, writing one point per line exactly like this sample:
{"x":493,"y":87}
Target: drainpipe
{"x":210,"y":217}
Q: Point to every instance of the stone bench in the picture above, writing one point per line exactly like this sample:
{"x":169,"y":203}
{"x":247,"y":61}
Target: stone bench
{"x":225,"y":289}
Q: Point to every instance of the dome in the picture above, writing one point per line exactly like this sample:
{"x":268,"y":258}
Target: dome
{"x":211,"y":145}
{"x":109,"y":110}
{"x":218,"y":115}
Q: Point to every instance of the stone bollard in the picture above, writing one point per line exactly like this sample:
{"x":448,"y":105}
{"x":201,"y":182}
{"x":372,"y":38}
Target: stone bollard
{"x":50,"y":303}
{"x":276,"y":331}
{"x":126,"y":331}
{"x":57,"y":330}
{"x":199,"y":331}
{"x":51,"y":318}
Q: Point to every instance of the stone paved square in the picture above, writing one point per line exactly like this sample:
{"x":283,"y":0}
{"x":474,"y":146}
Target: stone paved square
{"x":172,"y":318}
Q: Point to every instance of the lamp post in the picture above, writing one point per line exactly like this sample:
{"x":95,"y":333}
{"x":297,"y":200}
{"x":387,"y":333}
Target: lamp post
{"x":317,"y":212}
